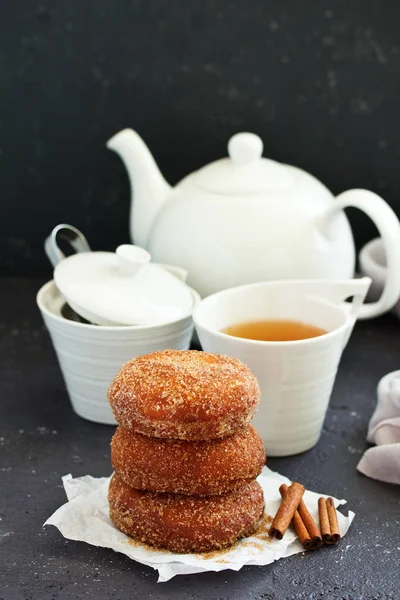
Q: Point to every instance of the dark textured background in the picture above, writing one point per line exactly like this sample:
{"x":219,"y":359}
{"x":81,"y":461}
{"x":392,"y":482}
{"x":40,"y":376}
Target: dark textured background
{"x":318,"y":80}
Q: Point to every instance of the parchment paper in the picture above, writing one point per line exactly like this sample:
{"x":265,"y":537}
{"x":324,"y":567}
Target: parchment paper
{"x":85,"y":518}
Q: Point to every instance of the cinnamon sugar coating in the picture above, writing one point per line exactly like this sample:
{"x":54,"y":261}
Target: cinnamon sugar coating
{"x":180,"y":466}
{"x":182,"y":523}
{"x":184,"y":394}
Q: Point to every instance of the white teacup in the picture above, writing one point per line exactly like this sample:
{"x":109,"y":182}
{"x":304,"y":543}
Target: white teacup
{"x":295,"y":377}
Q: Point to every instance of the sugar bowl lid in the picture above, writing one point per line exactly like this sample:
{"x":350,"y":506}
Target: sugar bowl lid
{"x":122,"y":288}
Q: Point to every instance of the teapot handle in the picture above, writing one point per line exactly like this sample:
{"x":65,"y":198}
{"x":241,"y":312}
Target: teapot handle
{"x":388,"y":226}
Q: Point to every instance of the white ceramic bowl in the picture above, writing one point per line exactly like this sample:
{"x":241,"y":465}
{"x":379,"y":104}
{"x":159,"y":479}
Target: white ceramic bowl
{"x":90,"y":355}
{"x":372,"y":261}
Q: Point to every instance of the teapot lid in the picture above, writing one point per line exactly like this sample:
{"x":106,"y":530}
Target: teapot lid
{"x":122,"y":288}
{"x":245,"y":171}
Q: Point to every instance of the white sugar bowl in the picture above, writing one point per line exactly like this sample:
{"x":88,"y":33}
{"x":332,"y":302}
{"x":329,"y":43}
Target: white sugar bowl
{"x":141,"y":310}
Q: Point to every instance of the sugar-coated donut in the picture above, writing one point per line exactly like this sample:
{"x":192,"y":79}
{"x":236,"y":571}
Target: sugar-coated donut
{"x":182,"y":394}
{"x":180,"y":466}
{"x":185,"y":523}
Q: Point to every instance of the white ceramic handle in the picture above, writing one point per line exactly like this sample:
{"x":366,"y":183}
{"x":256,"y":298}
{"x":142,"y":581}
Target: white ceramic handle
{"x":388,"y":226}
{"x":338,"y":291}
{"x":70,"y":234}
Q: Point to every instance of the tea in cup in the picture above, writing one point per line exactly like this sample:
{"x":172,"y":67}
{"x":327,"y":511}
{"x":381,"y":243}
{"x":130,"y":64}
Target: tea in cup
{"x":291,"y":334}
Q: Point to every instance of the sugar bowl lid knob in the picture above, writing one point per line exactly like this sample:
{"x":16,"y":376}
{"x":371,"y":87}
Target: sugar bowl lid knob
{"x":245,"y":148}
{"x":131,"y":259}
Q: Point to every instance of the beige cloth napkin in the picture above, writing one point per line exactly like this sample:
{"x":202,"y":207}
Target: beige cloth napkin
{"x":383,"y":461}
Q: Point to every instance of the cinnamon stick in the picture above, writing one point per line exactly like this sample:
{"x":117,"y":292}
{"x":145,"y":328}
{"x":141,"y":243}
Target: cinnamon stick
{"x":333,"y":521}
{"x":328,"y":521}
{"x":324,"y":521}
{"x":304,"y":525}
{"x":286,"y":510}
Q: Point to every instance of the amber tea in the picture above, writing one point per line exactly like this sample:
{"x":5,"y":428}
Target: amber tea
{"x":274,"y":330}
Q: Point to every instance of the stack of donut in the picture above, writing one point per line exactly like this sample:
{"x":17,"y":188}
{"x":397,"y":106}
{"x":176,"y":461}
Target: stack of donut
{"x":184,"y":454}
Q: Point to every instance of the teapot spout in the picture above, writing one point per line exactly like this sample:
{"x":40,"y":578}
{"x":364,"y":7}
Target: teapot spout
{"x":148,"y":187}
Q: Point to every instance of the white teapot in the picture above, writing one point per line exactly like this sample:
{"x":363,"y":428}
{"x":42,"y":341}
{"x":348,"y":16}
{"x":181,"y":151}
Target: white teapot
{"x":246,"y":218}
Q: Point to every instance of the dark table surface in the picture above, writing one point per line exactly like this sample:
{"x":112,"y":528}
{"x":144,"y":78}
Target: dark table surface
{"x":42,"y":439}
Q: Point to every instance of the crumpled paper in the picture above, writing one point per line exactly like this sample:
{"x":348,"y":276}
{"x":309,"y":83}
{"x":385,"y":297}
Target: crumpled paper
{"x":383,"y":461}
{"x":85,"y":518}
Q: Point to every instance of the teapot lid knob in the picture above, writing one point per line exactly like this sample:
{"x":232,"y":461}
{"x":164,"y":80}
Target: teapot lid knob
{"x":245,"y":148}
